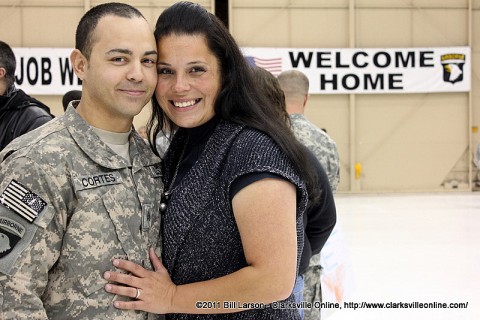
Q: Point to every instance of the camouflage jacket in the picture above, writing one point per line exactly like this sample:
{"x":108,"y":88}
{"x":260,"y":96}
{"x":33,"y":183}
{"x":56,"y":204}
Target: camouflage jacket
{"x":69,"y":205}
{"x":320,"y":143}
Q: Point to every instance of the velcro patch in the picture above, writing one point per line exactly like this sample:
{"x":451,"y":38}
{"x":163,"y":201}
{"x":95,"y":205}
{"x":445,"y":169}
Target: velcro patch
{"x":11,"y":232}
{"x":97,"y":180}
{"x":22,"y":201}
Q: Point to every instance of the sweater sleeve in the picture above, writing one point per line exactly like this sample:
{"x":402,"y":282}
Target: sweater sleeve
{"x":255,"y":152}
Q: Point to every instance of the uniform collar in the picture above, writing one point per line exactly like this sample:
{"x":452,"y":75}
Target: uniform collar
{"x":83,"y":134}
{"x":297,"y":116}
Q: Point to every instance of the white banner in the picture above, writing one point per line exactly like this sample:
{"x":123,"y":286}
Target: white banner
{"x":47,"y":71}
{"x":380,"y":70}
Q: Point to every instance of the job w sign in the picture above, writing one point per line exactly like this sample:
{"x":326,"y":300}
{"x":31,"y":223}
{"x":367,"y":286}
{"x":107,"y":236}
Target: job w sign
{"x":45,"y":71}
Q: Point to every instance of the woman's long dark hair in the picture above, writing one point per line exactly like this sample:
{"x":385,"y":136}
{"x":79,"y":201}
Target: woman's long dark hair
{"x":239,"y":100}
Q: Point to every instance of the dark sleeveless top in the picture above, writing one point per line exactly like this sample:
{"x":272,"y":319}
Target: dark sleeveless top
{"x":201,"y":239}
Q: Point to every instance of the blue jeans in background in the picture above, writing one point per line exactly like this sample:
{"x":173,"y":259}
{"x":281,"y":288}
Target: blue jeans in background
{"x":298,"y":293}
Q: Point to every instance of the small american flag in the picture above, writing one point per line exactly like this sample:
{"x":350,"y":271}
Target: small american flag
{"x":22,"y":201}
{"x":273,"y":65}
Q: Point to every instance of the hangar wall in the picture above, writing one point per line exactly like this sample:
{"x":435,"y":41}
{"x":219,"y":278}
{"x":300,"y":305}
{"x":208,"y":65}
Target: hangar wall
{"x":403,"y":142}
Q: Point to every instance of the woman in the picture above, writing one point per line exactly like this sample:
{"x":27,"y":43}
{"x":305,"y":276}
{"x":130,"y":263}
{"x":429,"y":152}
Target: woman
{"x":232,"y":225}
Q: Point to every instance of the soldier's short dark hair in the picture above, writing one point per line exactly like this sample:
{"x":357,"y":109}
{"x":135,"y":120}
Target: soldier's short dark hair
{"x":7,"y":61}
{"x":84,"y":36}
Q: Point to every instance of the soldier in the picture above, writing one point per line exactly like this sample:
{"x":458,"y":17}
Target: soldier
{"x":295,"y":87}
{"x":84,"y":188}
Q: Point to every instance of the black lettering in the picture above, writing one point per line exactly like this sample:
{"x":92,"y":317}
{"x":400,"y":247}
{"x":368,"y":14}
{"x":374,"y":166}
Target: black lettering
{"x":31,"y":80}
{"x":426,"y":56}
{"x":66,"y":70}
{"x":321,"y":59}
{"x":405,"y":61}
{"x":97,"y":180}
{"x":107,"y":178}
{"x":301,"y":56}
{"x":19,"y":80}
{"x":85,"y":182}
{"x":338,"y":61}
{"x":393,"y":79}
{"x":324,"y":81}
{"x":112,"y":177}
{"x":355,"y":59}
{"x":376,"y":59}
{"x":90,"y":181}
{"x":345,"y":80}
{"x":46,"y":73}
{"x":12,"y":225}
{"x":374,"y":81}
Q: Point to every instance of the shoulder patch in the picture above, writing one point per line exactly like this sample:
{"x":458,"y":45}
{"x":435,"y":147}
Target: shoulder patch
{"x":11,"y":232}
{"x":22,"y":201}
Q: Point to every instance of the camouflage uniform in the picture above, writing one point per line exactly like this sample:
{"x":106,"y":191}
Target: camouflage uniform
{"x":320,"y":143}
{"x":70,"y":205}
{"x":325,"y":149}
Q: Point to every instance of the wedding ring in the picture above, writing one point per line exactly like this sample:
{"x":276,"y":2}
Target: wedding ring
{"x":138,"y":294}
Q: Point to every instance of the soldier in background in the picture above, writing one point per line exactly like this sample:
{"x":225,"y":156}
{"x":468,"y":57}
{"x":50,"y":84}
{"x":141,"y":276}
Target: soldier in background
{"x":19,"y":113}
{"x":295,"y":86}
{"x":84,"y":188}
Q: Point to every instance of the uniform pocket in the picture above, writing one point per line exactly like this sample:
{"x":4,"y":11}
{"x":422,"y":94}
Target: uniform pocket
{"x":92,"y":242}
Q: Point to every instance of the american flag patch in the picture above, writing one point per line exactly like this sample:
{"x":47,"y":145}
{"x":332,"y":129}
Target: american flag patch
{"x":22,"y":201}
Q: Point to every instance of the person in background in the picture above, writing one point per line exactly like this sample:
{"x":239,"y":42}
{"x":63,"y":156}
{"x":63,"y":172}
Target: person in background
{"x":236,"y":182}
{"x":295,"y":86}
{"x":84,"y":188}
{"x":320,"y":216}
{"x":72,"y":95}
{"x":19,"y":113}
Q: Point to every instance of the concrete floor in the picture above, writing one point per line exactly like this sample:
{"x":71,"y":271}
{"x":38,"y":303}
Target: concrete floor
{"x":408,"y":248}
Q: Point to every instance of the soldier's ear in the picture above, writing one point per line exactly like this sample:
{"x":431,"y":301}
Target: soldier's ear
{"x":305,"y":99}
{"x":3,"y":72}
{"x":79,"y":63}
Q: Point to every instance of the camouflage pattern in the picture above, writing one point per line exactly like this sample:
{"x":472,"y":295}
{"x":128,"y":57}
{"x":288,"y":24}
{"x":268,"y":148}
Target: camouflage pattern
{"x":320,"y":143}
{"x":98,"y":208}
{"x":325,"y":149}
{"x":312,"y":291}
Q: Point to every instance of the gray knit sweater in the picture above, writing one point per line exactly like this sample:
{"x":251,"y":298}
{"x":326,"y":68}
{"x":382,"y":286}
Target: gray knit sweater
{"x":201,"y":240}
